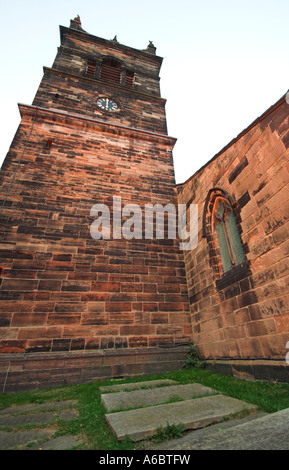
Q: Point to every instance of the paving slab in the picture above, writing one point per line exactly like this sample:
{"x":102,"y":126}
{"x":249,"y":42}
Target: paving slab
{"x":10,"y":440}
{"x":196,"y":413}
{"x":155,"y":396}
{"x":60,"y":443}
{"x":33,"y":407}
{"x":36,"y":418}
{"x":23,"y":420}
{"x":137,"y":385}
{"x":268,"y":432}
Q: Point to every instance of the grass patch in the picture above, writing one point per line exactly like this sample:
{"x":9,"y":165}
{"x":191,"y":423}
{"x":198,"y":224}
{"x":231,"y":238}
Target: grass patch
{"x":91,"y":424}
{"x":170,"y":431}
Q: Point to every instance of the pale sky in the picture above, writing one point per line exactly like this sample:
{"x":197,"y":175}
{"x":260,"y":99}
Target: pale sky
{"x":225,"y":61}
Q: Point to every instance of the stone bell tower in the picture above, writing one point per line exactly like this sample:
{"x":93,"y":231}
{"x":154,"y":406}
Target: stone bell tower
{"x":75,"y":308}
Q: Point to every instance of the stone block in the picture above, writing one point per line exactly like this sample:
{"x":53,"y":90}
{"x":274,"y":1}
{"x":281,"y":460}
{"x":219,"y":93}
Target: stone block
{"x":139,"y":424}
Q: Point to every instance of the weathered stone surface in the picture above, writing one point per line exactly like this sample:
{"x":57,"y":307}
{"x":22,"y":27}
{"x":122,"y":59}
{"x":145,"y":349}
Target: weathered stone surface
{"x":37,"y":414}
{"x":9,"y":440}
{"x":148,"y":397}
{"x":61,"y":443}
{"x":36,"y":418}
{"x":33,"y":407}
{"x":136,"y":385}
{"x":269,"y":432}
{"x":143,"y":422}
{"x":23,"y":420}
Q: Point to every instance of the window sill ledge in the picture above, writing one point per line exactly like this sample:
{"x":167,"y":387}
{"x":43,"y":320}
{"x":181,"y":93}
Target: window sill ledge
{"x":234,"y":275}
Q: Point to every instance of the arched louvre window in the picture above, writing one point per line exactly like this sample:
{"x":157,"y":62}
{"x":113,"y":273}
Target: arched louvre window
{"x":111,"y":71}
{"x":226,"y":230}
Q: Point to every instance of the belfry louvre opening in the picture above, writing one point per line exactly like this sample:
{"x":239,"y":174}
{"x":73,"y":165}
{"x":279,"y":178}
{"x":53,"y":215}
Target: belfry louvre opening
{"x":111,"y":71}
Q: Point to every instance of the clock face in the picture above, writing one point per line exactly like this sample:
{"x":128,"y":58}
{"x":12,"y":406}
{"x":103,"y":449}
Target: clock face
{"x":107,"y":104}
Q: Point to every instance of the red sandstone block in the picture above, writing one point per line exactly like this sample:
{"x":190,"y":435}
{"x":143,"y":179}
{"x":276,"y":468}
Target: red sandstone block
{"x":138,"y":342}
{"x":59,"y":266}
{"x":77,"y":344}
{"x":17,"y":254}
{"x":273,"y":346}
{"x":150,"y":297}
{"x":282,"y":324}
{"x":127,"y":330}
{"x":261,"y":327}
{"x":39,"y":345}
{"x":49,"y":285}
{"x":105,"y":286}
{"x":71,"y":307}
{"x":106,"y":268}
{"x":65,"y":296}
{"x":172,"y":330}
{"x":80,"y":286}
{"x":171,"y":306}
{"x":25,"y":319}
{"x":94,"y":296}
{"x":41,"y":296}
{"x":118,"y":306}
{"x":33,"y":265}
{"x":12,"y":346}
{"x":134,"y":269}
{"x":55,"y":275}
{"x":35,"y":333}
{"x":163,"y":340}
{"x":93,"y":343}
{"x":281,"y":233}
{"x":178,"y":298}
{"x":75,"y":332}
{"x":96,"y":307}
{"x":95,"y":318}
{"x":121,"y":297}
{"x":122,"y":318}
{"x":150,"y":307}
{"x":188,"y":330}
{"x":131,"y":287}
{"x":82,"y":273}
{"x":19,"y":284}
{"x":229,"y":305}
{"x":150,"y":287}
{"x":179,"y":318}
{"x":66,"y":318}
{"x":62,"y":257}
{"x":17,"y":273}
{"x":10,"y":306}
{"x":159,"y":318}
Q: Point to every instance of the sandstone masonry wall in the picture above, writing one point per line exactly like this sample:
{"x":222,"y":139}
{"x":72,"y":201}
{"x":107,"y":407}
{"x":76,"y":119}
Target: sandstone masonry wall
{"x":245,"y":315}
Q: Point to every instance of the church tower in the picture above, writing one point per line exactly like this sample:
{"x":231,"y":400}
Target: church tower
{"x":76,"y":307}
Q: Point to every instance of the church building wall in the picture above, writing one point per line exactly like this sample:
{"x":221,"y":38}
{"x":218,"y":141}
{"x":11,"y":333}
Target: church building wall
{"x":241,"y":311}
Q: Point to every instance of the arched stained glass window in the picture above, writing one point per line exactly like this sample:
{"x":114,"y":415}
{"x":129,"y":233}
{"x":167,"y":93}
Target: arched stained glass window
{"x":226,"y":230}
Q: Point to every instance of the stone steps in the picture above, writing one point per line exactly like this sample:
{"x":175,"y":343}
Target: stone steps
{"x":200,"y":407}
{"x":148,"y":397}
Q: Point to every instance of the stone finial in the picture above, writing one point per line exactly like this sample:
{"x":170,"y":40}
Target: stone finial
{"x":76,"y":23}
{"x":151,"y":48}
{"x":114,"y":39}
